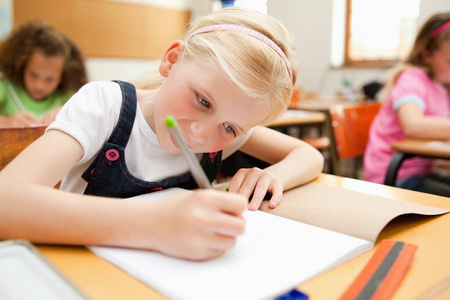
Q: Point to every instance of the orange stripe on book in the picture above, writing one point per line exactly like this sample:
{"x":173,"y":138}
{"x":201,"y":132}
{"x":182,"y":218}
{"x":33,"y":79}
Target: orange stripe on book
{"x":395,"y":274}
{"x":364,"y":276}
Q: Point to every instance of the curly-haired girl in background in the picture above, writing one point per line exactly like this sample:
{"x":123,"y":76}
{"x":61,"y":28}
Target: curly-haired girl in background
{"x":41,"y":70}
{"x":417,"y":106}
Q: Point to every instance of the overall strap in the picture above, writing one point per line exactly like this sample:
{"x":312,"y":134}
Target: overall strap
{"x":122,"y":131}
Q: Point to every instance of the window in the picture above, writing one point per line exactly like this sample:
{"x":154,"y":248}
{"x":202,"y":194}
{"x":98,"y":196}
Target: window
{"x":379,"y":33}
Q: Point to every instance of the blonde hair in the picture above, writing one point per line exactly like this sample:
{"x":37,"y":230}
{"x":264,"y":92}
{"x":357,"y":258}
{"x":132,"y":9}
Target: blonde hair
{"x":423,"y":42}
{"x":250,"y":64}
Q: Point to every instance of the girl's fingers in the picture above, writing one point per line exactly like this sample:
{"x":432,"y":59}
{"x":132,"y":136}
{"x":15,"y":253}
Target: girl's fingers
{"x":230,"y":203}
{"x":259,"y":193}
{"x":236,"y":181}
{"x":221,"y":242}
{"x":228,"y":225}
{"x":277,"y":194}
{"x":255,"y":184}
{"x":244,"y":181}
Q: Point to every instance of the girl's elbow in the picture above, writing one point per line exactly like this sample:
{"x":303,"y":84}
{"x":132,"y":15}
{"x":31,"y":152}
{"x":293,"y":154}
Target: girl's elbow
{"x":317,"y":161}
{"x":412,"y":130}
{"x":409,"y":132}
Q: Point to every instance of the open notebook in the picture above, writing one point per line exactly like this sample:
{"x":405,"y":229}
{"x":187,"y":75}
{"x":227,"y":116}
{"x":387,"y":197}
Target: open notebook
{"x":321,"y":227}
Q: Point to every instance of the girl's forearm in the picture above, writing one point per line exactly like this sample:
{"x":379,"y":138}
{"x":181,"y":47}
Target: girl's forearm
{"x":45,"y":215}
{"x":417,"y":125}
{"x":197,"y":226}
{"x":428,"y":127}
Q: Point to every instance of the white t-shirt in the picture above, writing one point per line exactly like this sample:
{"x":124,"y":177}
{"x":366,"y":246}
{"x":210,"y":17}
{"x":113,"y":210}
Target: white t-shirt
{"x":90,"y":117}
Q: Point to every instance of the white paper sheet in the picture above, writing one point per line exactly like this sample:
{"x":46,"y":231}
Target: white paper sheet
{"x":273,"y":256}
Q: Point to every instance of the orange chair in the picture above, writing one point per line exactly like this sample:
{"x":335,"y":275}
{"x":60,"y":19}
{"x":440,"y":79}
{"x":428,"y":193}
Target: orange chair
{"x":14,"y":140}
{"x":295,"y":99}
{"x":350,"y":126}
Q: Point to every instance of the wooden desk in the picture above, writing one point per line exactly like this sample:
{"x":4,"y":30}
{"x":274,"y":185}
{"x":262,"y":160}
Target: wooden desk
{"x":322,"y":103}
{"x":414,"y":147}
{"x":13,"y":140}
{"x":100,"y":280}
{"x":431,"y":264}
{"x":299,"y":118}
{"x":302,"y":121}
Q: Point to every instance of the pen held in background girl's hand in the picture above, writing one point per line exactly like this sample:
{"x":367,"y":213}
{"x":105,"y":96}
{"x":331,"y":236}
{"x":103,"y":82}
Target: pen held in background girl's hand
{"x":14,"y":96}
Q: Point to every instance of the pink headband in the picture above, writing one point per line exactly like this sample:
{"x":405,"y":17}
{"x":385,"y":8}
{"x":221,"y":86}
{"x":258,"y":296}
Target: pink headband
{"x":439,"y":30}
{"x":251,"y":32}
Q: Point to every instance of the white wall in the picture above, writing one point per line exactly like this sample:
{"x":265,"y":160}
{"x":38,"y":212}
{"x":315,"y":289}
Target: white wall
{"x":120,"y":69}
{"x":430,"y":7}
{"x":310,"y":22}
{"x":306,"y":20}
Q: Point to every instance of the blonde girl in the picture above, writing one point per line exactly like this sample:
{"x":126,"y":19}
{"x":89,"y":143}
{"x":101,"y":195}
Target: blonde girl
{"x":233,"y":71}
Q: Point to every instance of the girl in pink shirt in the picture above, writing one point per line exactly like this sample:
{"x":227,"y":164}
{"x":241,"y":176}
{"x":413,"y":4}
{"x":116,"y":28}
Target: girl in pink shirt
{"x":417,"y":105}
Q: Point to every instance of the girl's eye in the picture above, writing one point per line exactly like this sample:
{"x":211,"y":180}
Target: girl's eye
{"x":230,"y":129}
{"x":203,"y":101}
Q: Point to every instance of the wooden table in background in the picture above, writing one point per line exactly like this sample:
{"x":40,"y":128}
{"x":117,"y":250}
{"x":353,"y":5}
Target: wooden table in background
{"x":99,"y":279}
{"x":409,"y":148}
{"x":14,"y":139}
{"x":299,"y":118}
{"x":322,"y":103}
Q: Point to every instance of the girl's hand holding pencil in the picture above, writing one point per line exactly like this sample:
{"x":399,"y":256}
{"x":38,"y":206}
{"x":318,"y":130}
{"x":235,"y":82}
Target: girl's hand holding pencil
{"x":200,"y":225}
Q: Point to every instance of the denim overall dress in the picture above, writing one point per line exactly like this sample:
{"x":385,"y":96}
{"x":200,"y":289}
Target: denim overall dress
{"x":108,"y":175}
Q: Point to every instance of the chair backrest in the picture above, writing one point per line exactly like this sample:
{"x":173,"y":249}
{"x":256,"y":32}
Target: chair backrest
{"x":351,"y":126}
{"x":14,"y":140}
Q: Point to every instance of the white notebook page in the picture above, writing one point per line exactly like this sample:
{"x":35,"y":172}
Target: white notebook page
{"x":273,"y":256}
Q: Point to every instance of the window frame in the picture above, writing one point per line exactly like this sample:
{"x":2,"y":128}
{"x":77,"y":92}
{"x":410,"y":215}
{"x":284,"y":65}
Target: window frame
{"x":348,"y":62}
